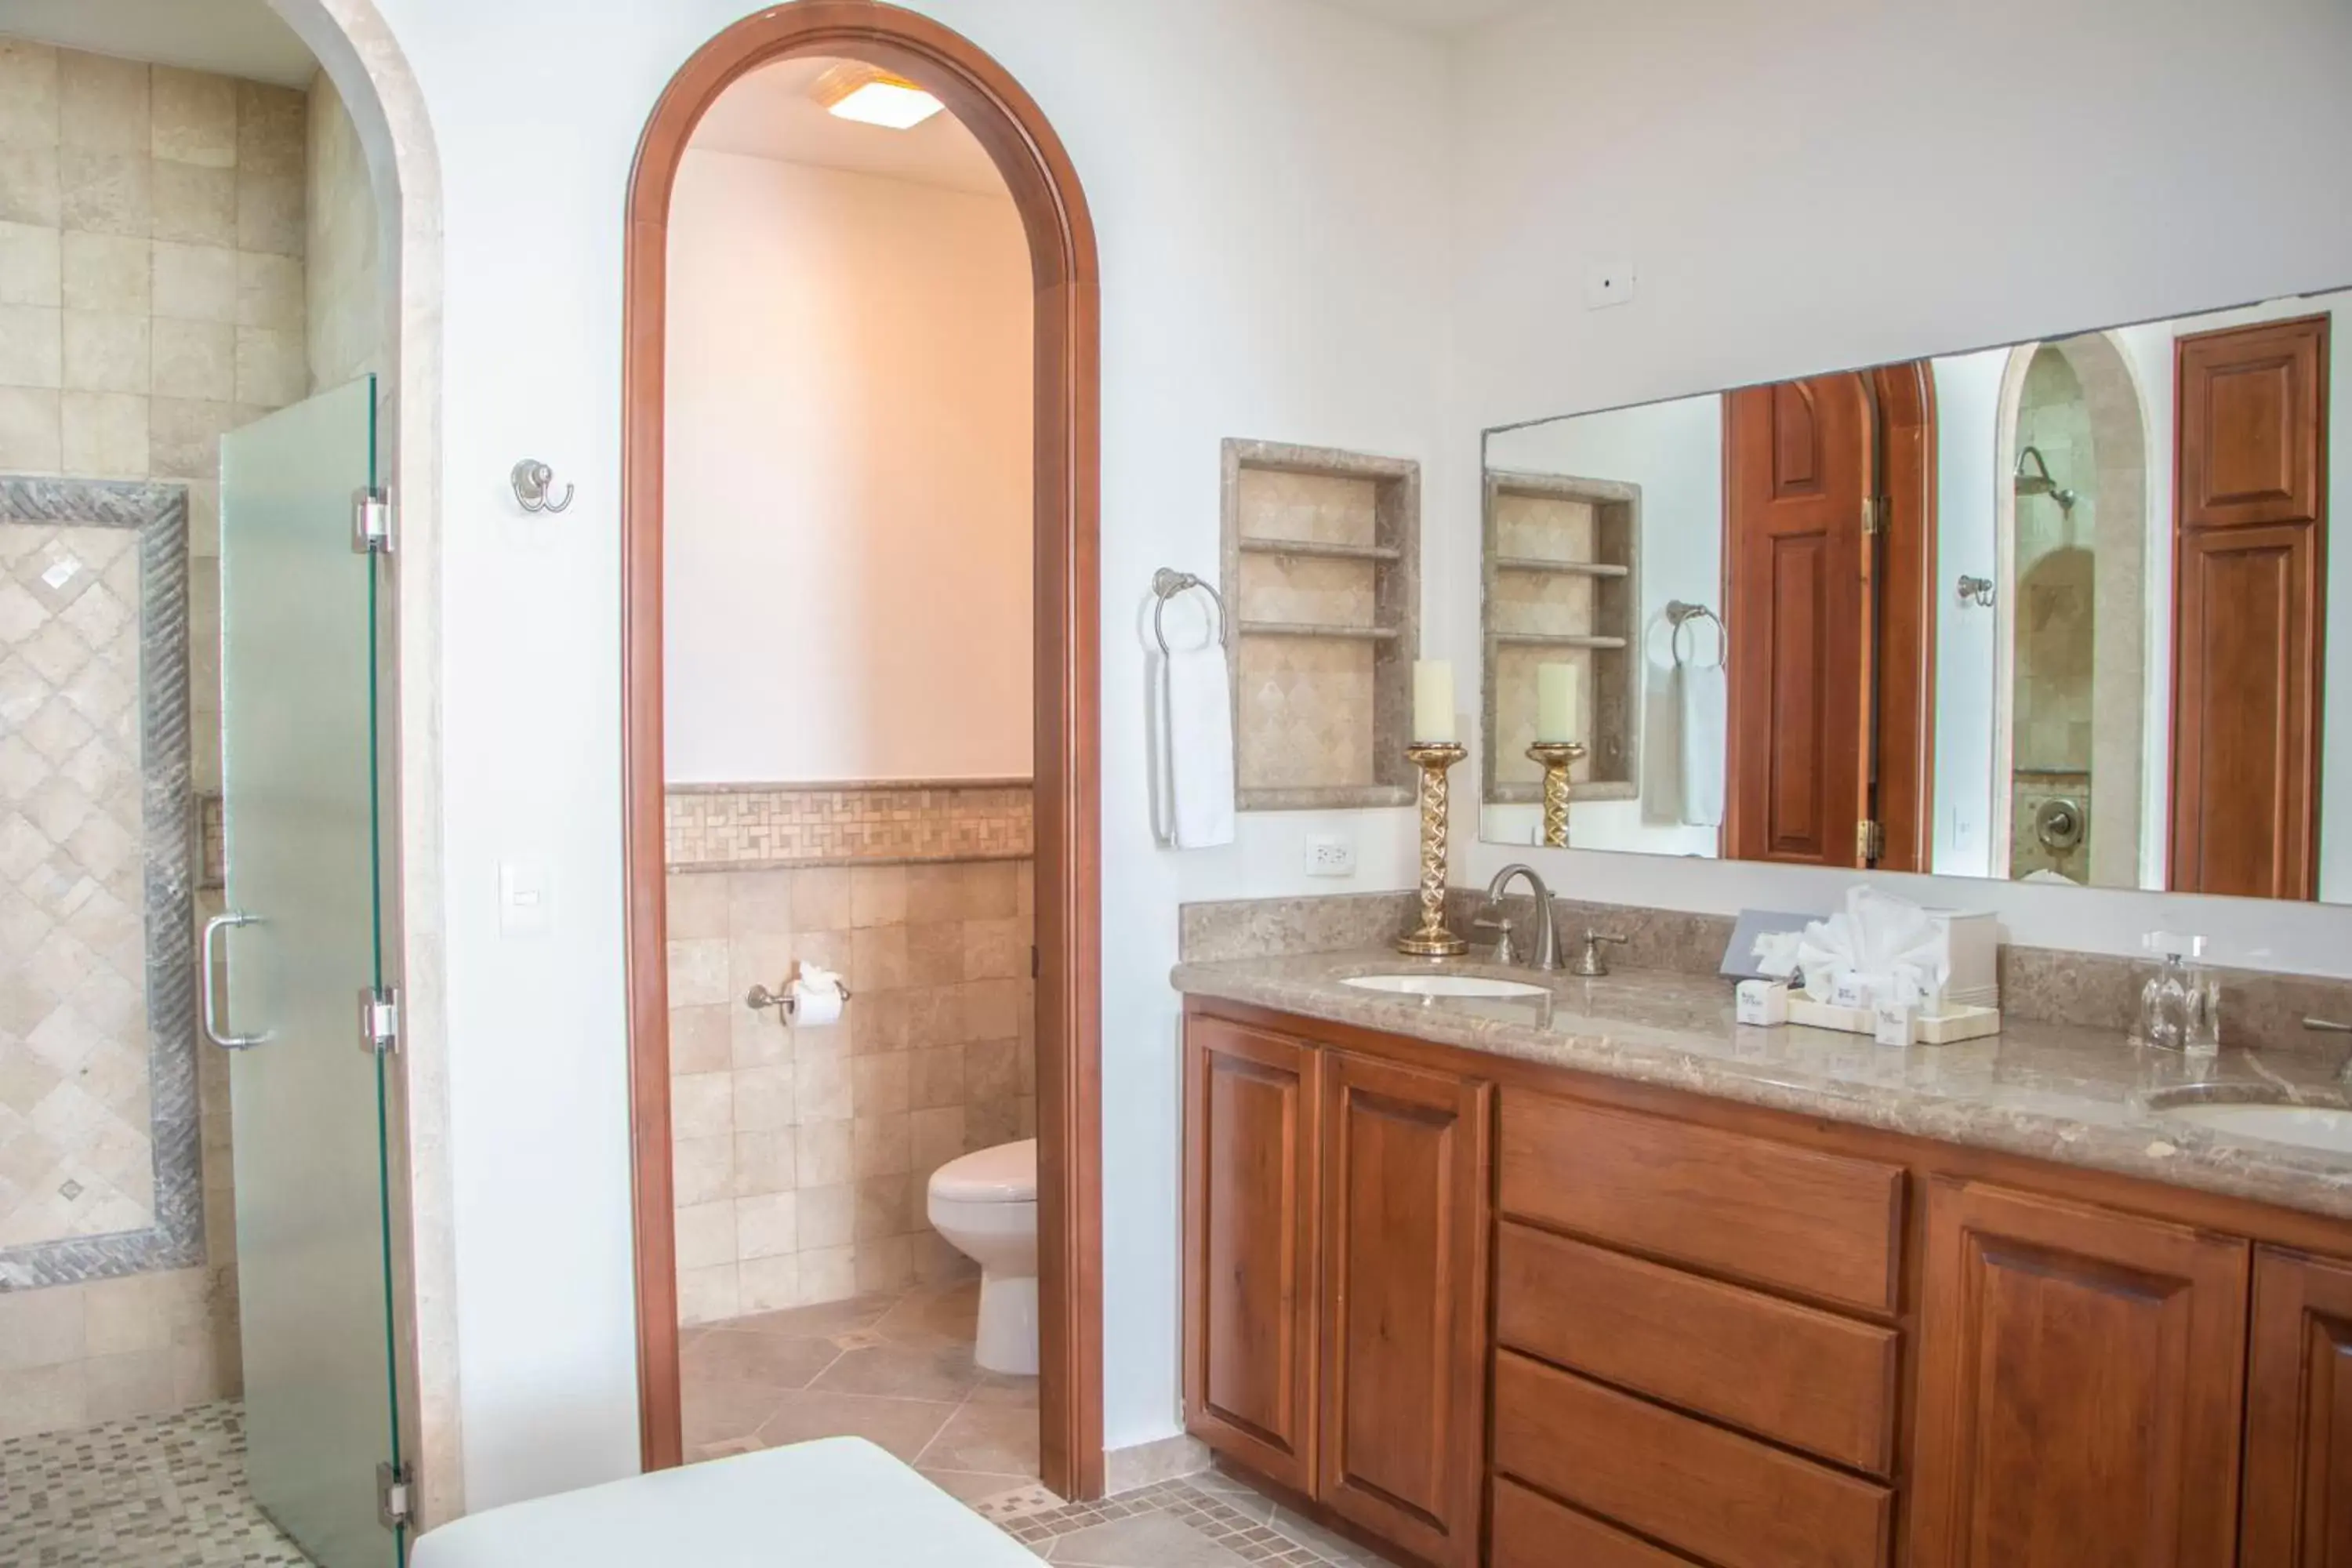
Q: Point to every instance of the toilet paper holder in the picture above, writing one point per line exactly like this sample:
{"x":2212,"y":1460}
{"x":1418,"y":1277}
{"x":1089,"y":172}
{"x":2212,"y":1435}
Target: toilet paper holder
{"x":782,"y":999}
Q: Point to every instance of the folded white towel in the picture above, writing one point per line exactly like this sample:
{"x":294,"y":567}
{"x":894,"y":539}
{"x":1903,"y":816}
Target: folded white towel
{"x":1193,"y":805}
{"x":1700,"y":694}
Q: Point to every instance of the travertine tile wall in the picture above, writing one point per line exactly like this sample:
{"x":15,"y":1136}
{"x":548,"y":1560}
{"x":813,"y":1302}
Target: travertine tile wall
{"x":802,"y":1156}
{"x":152,"y":298}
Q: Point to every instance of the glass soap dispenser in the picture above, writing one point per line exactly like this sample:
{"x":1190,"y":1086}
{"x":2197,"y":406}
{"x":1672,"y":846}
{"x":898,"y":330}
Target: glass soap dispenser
{"x":2179,"y":998}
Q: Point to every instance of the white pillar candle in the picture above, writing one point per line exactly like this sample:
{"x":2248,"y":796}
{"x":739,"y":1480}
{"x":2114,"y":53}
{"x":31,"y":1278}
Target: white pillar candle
{"x":1558,"y":697}
{"x":1432,"y":700}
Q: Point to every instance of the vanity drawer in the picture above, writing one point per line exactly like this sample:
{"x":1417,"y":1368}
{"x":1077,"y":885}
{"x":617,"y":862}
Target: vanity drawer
{"x":1807,"y":1378}
{"x":1823,"y":1226}
{"x":1530,"y":1531}
{"x":1729,"y":1500}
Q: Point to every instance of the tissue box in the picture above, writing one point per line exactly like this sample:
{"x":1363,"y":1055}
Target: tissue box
{"x":1972,"y":948}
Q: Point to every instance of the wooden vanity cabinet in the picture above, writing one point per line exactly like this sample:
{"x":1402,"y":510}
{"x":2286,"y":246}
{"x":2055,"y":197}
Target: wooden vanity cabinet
{"x":1252,"y":1101}
{"x":1336,"y":1234}
{"x":1483,"y":1311}
{"x":2299,"y":1494}
{"x":2079,"y":1387}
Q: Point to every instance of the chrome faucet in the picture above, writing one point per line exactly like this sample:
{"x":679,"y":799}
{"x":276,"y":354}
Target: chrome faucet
{"x":2328,"y":1025}
{"x":1546,"y":953}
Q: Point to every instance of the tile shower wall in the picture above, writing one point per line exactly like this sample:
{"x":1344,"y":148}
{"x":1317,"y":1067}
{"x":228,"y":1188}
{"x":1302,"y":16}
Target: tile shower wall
{"x":152,"y":298}
{"x":802,"y":1156}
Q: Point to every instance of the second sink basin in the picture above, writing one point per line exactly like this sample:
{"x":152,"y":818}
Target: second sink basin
{"x":2310,"y":1126}
{"x":1443,"y":985}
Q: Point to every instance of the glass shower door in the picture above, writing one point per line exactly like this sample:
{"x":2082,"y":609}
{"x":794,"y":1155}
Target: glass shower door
{"x":303,"y":944}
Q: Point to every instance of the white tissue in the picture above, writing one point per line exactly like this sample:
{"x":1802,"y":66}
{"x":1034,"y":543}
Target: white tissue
{"x":1882,"y":947}
{"x":817,"y":997}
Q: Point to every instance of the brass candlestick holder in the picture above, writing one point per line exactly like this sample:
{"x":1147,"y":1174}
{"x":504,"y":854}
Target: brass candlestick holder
{"x":1557,"y":757}
{"x":1433,"y":939}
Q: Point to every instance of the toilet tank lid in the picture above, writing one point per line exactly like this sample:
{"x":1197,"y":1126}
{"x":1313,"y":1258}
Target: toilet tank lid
{"x":1005,"y":1175}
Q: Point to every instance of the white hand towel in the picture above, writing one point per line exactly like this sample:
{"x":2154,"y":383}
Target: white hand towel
{"x":1700,"y":694}
{"x":1194,"y":805}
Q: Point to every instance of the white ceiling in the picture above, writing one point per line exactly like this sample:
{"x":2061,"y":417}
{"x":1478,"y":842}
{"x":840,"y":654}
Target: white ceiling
{"x":234,"y":38}
{"x":1432,"y":15}
{"x":770,"y":114}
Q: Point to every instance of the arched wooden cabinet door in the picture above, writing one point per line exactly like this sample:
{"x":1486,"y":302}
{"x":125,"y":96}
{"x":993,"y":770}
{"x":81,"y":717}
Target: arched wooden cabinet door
{"x":2081,"y":1382}
{"x":1799,"y":487}
{"x":1403,"y":1443}
{"x":2298,"y":1511}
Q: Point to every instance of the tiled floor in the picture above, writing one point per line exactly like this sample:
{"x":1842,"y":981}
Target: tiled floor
{"x":158,"y":1491}
{"x":897,"y":1369}
{"x":1202,"y":1521}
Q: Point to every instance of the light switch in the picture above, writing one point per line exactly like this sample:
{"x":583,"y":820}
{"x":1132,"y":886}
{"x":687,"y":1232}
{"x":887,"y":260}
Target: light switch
{"x":522,"y":898}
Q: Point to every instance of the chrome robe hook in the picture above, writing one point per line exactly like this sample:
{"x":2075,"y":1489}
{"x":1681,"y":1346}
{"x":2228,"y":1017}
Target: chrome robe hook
{"x":532,"y":482}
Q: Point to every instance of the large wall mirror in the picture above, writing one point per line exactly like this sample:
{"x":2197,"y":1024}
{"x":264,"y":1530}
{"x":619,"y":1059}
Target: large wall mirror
{"x":2052,"y":611}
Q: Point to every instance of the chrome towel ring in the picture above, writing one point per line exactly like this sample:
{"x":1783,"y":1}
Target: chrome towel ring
{"x":1166,"y":584}
{"x":1681,"y":614}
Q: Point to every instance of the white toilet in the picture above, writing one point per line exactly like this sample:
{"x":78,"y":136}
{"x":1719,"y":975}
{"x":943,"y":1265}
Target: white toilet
{"x":986,"y":1203}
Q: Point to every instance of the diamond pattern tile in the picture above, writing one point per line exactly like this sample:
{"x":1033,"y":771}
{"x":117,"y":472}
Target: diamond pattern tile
{"x":75,"y":1150}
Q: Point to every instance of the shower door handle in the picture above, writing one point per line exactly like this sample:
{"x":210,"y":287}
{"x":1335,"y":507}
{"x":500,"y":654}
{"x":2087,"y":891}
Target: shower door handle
{"x":213,"y":928}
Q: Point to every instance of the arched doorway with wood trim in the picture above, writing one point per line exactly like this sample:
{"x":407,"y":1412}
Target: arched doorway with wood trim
{"x":1046,"y":191}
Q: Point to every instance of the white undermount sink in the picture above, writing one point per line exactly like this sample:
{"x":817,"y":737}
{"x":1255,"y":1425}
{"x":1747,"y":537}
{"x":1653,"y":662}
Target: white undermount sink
{"x":2310,"y":1126}
{"x":1443,"y":985}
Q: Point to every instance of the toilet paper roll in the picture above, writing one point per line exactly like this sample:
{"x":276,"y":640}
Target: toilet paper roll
{"x":816,"y":1002}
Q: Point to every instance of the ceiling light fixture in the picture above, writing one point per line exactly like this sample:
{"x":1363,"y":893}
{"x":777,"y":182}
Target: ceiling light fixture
{"x":872,"y":95}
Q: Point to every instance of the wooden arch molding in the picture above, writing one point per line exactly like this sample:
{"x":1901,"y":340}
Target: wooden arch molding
{"x":1044,"y":188}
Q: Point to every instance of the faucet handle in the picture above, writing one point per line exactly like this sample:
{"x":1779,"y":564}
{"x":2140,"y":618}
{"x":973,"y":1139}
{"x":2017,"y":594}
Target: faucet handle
{"x":1591,"y":963}
{"x":1505,"y":950}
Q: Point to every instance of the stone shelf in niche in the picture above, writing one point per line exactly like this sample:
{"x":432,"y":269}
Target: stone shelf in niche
{"x":1308,"y":630}
{"x":1574,"y":568}
{"x":1562,"y":585}
{"x":1557,"y":639}
{"x":1322,"y":572}
{"x":1318,"y":550}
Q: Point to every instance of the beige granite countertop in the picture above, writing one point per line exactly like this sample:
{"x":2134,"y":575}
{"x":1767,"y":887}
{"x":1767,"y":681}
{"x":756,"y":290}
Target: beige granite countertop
{"x":2075,"y":1096}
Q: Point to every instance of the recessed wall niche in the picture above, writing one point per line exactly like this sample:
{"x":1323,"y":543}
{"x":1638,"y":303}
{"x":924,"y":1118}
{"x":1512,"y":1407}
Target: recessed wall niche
{"x":1562,"y":585}
{"x":1322,"y":576}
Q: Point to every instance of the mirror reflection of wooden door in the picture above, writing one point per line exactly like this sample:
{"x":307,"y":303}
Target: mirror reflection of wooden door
{"x":1799,"y":480}
{"x":2250,"y":553}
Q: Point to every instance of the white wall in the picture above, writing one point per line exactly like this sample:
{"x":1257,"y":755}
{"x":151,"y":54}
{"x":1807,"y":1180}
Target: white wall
{"x":1267,"y":179}
{"x":846,"y":519}
{"x":1833,"y":183}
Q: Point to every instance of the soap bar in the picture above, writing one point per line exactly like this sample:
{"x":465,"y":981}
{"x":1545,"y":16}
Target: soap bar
{"x":1764,"y":1002}
{"x":1848,"y":991}
{"x":1897,"y":1024}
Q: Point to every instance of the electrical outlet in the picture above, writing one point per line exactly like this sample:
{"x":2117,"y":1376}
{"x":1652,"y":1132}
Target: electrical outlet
{"x":1608,"y":283}
{"x":1331,"y":857}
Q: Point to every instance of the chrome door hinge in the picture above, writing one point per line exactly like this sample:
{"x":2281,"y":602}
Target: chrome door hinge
{"x":1869,"y":841}
{"x":372,"y":521}
{"x":379,"y":1021}
{"x":391,"y":1505}
{"x":1874,"y":515}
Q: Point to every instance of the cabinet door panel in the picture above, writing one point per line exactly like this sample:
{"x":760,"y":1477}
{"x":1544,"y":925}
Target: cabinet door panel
{"x":1404,"y":1309}
{"x":2299,"y":1416}
{"x":2079,"y":1387}
{"x":1251,"y":1102}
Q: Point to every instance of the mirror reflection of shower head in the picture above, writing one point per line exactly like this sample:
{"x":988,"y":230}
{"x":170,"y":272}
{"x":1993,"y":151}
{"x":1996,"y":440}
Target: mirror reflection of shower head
{"x":2038,"y":482}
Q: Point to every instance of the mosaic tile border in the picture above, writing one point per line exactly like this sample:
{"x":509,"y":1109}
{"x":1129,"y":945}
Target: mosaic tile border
{"x":160,"y":513}
{"x":750,"y":826}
